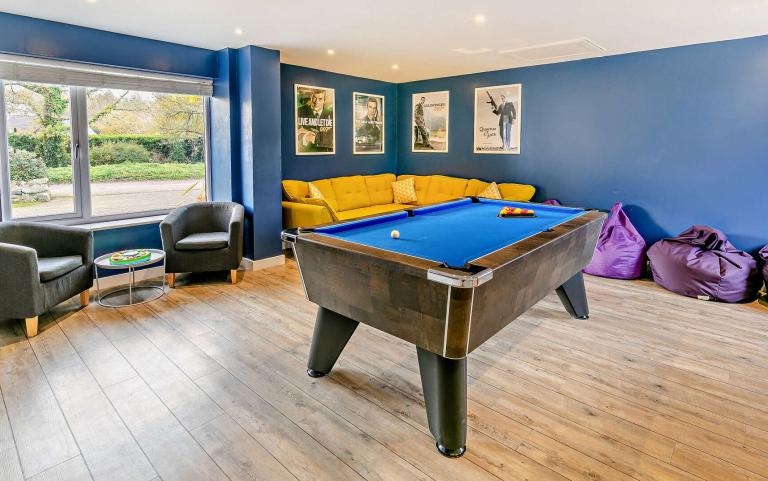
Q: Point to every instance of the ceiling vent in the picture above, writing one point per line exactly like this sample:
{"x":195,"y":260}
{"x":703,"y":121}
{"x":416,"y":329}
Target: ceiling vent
{"x":472,"y":51}
{"x":557,"y":50}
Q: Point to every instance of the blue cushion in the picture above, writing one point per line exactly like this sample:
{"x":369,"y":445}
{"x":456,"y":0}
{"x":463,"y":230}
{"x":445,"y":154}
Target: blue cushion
{"x":50,"y":268}
{"x":204,"y":241}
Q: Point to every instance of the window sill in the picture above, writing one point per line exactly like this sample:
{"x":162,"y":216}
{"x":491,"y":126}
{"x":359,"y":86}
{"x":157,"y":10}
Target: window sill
{"x":117,"y":224}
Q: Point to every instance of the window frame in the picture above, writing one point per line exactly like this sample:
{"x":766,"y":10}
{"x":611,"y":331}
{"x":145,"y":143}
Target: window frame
{"x":80,"y":155}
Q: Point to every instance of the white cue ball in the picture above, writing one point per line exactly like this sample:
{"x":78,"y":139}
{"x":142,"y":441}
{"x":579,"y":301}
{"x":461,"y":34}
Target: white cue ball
{"x":395,"y":234}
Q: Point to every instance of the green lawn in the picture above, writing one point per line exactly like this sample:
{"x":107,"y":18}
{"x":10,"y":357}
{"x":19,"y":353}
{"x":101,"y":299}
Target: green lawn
{"x":128,"y":171}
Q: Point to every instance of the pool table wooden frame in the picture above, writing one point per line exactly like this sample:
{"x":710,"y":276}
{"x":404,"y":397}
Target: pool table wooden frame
{"x":445,"y":312}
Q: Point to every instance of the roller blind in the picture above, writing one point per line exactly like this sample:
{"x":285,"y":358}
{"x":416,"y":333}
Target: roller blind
{"x":31,"y":69}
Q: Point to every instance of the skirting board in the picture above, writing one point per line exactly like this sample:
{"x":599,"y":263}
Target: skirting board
{"x":156,"y":272}
{"x":251,"y":265}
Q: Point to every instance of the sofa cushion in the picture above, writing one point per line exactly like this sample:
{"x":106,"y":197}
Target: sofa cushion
{"x":421,"y":183}
{"x":49,"y":268}
{"x":490,"y":192}
{"x":475,"y":186}
{"x":325,"y":188}
{"x":372,"y":210}
{"x":404,"y":191}
{"x":380,"y":188}
{"x":442,"y":188}
{"x":294,"y":190}
{"x":350,"y":192}
{"x":519,"y":192}
{"x":322,"y":203}
{"x":203,"y":241}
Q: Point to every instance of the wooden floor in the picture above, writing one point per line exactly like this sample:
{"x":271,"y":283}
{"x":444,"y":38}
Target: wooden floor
{"x":209,"y":383}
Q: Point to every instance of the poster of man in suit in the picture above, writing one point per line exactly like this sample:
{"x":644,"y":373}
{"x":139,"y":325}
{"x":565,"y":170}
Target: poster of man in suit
{"x":497,"y":119}
{"x":369,"y":123}
{"x":315,"y":120}
{"x":430,"y":122}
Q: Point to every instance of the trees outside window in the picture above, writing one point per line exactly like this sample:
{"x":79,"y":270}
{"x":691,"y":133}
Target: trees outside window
{"x":141,"y":152}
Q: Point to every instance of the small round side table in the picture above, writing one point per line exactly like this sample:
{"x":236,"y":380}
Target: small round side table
{"x":133,"y":294}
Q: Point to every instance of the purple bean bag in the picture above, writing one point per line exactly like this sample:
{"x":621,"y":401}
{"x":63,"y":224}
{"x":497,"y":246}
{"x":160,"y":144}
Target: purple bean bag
{"x":552,"y":202}
{"x":701,"y":263}
{"x":620,"y":250}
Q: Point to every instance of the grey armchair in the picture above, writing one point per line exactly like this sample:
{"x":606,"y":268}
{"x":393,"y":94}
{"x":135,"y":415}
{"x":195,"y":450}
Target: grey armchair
{"x":42,"y":265}
{"x":203,"y":237}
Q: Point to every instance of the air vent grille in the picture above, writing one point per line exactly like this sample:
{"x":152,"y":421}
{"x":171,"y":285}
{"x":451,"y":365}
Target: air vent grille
{"x":568,"y":48}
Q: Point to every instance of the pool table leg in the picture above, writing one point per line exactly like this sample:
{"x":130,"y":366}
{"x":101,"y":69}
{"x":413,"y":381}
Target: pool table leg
{"x":574,"y":297}
{"x":332,"y":331}
{"x":444,"y":382}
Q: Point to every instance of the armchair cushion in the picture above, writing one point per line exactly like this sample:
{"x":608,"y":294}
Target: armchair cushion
{"x":203,"y":241}
{"x":50,"y":268}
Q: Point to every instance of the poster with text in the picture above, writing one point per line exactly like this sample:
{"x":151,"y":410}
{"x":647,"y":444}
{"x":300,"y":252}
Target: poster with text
{"x":497,"y":119}
{"x":315,"y":120}
{"x":430,"y":122}
{"x":368,"y":112}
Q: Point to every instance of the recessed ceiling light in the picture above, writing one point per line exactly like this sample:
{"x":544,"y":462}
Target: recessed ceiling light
{"x":91,"y":1}
{"x":330,"y":51}
{"x":395,"y":67}
{"x":479,"y":19}
{"x":238,"y":31}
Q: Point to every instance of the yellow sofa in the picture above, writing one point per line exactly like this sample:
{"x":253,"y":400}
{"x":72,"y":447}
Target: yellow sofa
{"x":356,"y":196}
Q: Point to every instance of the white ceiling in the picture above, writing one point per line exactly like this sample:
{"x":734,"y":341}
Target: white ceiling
{"x":419,"y":36}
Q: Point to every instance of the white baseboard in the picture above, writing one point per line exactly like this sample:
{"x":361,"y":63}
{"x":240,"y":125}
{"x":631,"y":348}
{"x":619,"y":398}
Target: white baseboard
{"x":122,"y":278}
{"x":156,"y":272}
{"x":251,"y":265}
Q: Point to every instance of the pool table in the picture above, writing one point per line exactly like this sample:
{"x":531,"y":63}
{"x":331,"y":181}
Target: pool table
{"x":456,"y":276}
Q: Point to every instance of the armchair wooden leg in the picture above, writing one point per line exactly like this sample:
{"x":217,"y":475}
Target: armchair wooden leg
{"x":233,"y":275}
{"x":171,"y":280}
{"x":85,"y":296}
{"x":30,"y":326}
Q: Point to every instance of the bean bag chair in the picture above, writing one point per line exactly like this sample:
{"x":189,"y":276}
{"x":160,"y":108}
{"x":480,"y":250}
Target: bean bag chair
{"x":701,"y":263}
{"x":552,"y":202}
{"x":620,"y":250}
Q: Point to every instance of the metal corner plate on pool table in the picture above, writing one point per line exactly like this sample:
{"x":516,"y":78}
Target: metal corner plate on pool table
{"x":466,"y":281}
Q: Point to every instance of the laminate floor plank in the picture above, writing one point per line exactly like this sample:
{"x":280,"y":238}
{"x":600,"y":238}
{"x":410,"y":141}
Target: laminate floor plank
{"x":171,"y":449}
{"x":71,"y":470}
{"x":208,"y":382}
{"x":106,"y":445}
{"x":177,"y":391}
{"x":512,"y":460}
{"x":43,"y":438}
{"x":237,"y":453}
{"x":409,"y":444}
{"x":104,"y":361}
{"x":10,"y":467}
{"x":302,"y":455}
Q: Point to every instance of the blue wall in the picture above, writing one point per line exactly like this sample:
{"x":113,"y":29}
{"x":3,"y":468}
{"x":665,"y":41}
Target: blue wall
{"x":311,"y":167}
{"x":679,"y":135}
{"x":42,"y":38}
{"x":31,"y":36}
{"x":258,"y":80}
{"x":225,"y":130}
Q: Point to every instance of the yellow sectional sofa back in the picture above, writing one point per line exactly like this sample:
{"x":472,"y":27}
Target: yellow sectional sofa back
{"x":380,"y":188}
{"x":360,"y":195}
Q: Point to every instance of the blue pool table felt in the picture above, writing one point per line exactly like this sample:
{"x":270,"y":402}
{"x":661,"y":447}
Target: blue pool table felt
{"x":454,"y":233}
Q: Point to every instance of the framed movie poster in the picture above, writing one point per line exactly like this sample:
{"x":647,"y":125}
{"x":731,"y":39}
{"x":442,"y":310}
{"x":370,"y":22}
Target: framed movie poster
{"x":315,"y":120}
{"x":430,"y":122}
{"x":368,"y":112}
{"x":497,"y":119}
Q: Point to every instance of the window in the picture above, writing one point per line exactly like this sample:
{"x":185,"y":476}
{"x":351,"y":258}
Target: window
{"x":38,"y":121}
{"x":147,"y":151}
{"x":89,"y":153}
